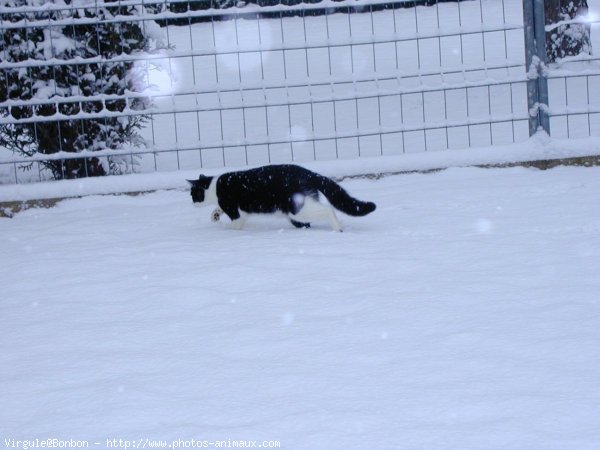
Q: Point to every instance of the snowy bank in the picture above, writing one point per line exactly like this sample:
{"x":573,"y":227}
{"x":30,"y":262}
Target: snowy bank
{"x":537,"y":148}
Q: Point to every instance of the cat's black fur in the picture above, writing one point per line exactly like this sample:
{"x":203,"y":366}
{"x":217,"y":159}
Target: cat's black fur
{"x":278,"y":188}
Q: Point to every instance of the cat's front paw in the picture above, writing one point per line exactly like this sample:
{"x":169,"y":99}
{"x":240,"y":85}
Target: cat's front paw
{"x":215,"y":216}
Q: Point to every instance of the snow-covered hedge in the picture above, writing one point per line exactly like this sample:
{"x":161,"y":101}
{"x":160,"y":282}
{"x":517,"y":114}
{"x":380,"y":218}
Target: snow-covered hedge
{"x":67,"y":55}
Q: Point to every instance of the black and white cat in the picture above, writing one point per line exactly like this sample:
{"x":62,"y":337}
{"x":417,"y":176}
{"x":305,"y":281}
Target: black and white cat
{"x":289,"y":189}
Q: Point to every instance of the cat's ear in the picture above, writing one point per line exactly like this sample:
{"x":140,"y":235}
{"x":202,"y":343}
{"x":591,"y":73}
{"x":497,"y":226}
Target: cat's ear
{"x":203,"y":181}
{"x":193,"y":183}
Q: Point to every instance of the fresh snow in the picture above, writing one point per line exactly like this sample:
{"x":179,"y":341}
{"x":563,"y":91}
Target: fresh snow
{"x":462,"y":314}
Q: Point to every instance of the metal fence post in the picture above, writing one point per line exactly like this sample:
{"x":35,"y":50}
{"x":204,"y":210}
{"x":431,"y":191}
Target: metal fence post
{"x":535,"y":60}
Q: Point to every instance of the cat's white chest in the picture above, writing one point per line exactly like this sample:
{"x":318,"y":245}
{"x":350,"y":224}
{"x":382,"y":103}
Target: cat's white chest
{"x":210,"y":196}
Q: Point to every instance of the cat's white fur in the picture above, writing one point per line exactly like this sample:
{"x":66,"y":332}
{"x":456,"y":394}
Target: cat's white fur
{"x":315,"y":210}
{"x":210,"y":195}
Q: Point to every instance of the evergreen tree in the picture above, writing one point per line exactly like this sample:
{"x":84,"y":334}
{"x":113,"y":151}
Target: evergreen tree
{"x":70,"y":43}
{"x":569,"y":39}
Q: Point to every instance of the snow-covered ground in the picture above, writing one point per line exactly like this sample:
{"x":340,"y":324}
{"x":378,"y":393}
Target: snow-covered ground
{"x":462,"y":314}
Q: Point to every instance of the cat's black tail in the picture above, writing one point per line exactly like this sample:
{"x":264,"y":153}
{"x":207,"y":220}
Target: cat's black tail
{"x":341,"y":200}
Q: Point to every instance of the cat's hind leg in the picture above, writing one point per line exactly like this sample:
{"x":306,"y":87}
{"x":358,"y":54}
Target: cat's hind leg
{"x":300,"y":224}
{"x":314,"y":210}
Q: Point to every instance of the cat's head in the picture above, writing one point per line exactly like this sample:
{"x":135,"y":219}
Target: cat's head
{"x":198,"y":188}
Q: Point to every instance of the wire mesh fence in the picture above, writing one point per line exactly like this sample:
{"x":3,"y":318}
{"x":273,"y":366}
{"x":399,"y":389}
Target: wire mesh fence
{"x":213,"y":87}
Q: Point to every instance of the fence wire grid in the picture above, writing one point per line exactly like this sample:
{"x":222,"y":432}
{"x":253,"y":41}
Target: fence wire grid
{"x":253,"y":85}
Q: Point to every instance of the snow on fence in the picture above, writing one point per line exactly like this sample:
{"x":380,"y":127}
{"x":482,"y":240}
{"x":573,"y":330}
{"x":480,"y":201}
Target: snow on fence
{"x":252,"y":85}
